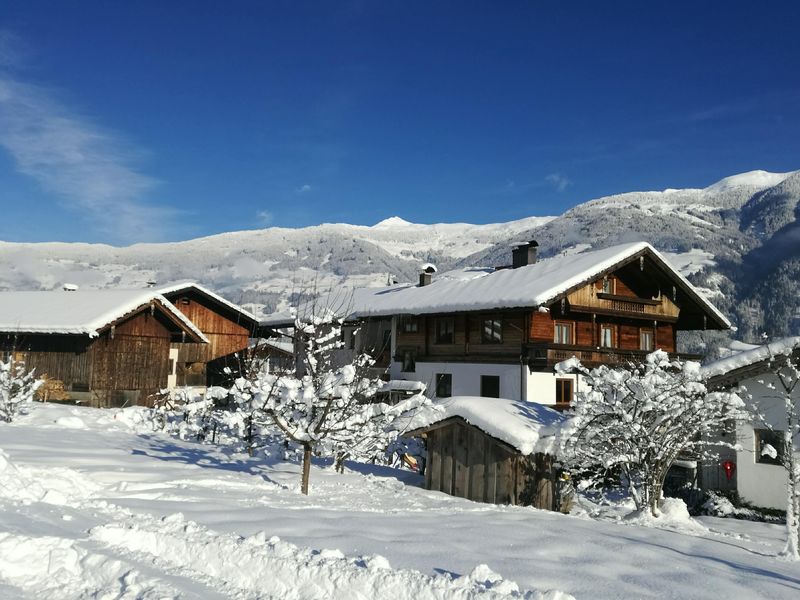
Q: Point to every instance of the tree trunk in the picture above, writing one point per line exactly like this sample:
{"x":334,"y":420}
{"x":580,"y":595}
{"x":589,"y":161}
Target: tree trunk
{"x":792,"y":549}
{"x":306,"y":467}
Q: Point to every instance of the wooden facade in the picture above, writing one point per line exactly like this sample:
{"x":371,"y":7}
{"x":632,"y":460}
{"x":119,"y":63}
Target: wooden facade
{"x":618,"y":318}
{"x":125,"y":364}
{"x":465,"y":461}
{"x":228,"y":331}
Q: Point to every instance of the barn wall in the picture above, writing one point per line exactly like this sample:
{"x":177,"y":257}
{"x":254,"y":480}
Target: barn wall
{"x":224,"y":334}
{"x":131,"y":364}
{"x":464,"y":461}
{"x":61,"y":357}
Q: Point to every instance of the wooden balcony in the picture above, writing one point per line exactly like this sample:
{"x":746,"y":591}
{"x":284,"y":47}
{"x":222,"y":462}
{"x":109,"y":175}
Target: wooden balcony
{"x":545,"y":355}
{"x":589,"y":300}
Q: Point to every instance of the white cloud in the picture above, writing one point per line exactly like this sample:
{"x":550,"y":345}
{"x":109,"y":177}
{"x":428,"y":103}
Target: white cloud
{"x":264,"y":217}
{"x":558,"y":181}
{"x":303,"y":189}
{"x":88,"y":169}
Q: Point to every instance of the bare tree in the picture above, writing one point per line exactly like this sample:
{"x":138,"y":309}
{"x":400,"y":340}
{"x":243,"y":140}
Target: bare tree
{"x":325,"y":404}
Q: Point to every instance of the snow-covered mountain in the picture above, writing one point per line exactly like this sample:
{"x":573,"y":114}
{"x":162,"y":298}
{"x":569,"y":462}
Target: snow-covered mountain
{"x":738,"y":239}
{"x":262,"y":267}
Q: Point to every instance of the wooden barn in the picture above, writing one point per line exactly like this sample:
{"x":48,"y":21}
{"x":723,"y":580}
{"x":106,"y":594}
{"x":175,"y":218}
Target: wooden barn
{"x":492,"y":450}
{"x":98,"y":347}
{"x":227,"y":327}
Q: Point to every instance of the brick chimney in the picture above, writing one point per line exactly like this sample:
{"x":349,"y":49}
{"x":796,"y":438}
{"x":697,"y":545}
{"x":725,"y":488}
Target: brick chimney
{"x":525,"y":254}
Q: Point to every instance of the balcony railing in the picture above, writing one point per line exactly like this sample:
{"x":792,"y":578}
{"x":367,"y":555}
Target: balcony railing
{"x":549,"y":354}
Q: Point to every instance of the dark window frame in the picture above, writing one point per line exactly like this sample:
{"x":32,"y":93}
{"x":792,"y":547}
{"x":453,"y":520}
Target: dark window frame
{"x":409,"y":362}
{"x":642,"y":332}
{"x":613,"y":330}
{"x":570,"y":325}
{"x":485,"y":384}
{"x":444,"y":385}
{"x":565,"y":387}
{"x":445,"y":331}
{"x":774,"y":438}
{"x":495,"y":331}
{"x":409,"y":325}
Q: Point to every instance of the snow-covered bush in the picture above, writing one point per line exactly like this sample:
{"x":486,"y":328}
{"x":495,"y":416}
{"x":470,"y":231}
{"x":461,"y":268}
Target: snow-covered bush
{"x":635,"y":421}
{"x":17,"y":387}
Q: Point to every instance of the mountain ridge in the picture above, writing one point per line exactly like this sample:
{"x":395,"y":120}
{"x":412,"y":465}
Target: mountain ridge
{"x":737,"y":239}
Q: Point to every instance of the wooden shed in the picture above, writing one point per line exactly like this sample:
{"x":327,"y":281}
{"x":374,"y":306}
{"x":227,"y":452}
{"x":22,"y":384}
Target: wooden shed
{"x":102,"y":347}
{"x":492,"y":450}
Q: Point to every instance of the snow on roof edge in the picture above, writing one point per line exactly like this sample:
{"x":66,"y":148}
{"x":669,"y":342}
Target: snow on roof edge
{"x":182,"y":285}
{"x":747,"y":358}
{"x":527,"y":426}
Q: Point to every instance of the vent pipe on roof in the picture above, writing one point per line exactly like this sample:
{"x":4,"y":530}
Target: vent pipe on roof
{"x":70,"y":287}
{"x":525,"y":254}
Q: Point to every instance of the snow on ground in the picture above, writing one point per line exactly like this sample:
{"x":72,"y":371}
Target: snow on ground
{"x":89,"y":507}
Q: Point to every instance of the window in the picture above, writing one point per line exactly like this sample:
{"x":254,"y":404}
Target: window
{"x":409,"y":362}
{"x":563,"y":333}
{"x":387,"y":339}
{"x":444,"y":385}
{"x":492,"y":331}
{"x":564,"y":391}
{"x":409,"y":325}
{"x":769,"y":447}
{"x":607,"y":285}
{"x":607,"y":336}
{"x":646,"y":340}
{"x":445,"y":331}
{"x":490,"y":386}
{"x":353,"y":340}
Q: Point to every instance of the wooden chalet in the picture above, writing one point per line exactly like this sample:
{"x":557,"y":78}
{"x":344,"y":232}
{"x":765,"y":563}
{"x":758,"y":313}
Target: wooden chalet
{"x":101,"y":347}
{"x":499,"y":332}
{"x":492,"y":450}
{"x":227,"y":327}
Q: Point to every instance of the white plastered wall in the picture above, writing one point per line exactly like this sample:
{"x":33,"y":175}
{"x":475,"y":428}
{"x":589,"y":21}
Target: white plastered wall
{"x":761,"y":484}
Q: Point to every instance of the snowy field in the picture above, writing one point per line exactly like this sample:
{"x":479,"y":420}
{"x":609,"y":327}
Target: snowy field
{"x":92,"y":506}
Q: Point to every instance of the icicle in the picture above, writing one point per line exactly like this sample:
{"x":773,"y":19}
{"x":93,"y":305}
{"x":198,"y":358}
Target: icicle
{"x":113,"y":329}
{"x":641,"y":263}
{"x":674,"y":294}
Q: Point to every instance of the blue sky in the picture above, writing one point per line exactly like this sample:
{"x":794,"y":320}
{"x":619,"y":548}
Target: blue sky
{"x":147,"y":121}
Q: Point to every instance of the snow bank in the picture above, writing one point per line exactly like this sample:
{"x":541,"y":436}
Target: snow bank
{"x":52,"y":567}
{"x":56,"y":485}
{"x":272,"y":568}
{"x":527,"y":426}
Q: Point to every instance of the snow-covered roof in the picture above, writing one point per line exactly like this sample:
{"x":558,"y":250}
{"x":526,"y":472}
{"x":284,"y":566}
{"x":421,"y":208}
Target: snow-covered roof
{"x":748,"y":358}
{"x":286,"y":346}
{"x":82,"y":312}
{"x":527,"y":426}
{"x":403,"y":385}
{"x":187,"y":285}
{"x":530,"y":286}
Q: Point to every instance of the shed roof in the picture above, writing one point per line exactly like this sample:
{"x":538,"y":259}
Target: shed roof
{"x":81,"y":312}
{"x":530,"y":286}
{"x":527,"y":426}
{"x":749,"y":362}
